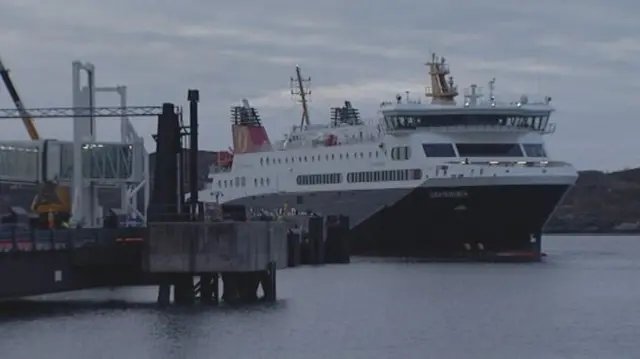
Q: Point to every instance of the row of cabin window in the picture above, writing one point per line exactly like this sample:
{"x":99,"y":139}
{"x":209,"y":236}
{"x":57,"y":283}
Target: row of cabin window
{"x":484,"y":150}
{"x":242,"y":182}
{"x":360,"y":177}
{"x":318,"y":158}
{"x":324,"y":178}
{"x":409,"y":122}
{"x":384,"y":176}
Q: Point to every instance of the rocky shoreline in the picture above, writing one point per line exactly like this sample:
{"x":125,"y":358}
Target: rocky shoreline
{"x":599,"y":203}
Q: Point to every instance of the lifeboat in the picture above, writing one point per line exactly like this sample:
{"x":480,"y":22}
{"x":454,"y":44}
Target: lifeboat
{"x":330,"y":140}
{"x":225,"y":159}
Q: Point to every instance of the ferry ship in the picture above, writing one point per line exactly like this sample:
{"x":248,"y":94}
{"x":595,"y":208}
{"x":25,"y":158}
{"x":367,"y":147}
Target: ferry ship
{"x":432,"y":176}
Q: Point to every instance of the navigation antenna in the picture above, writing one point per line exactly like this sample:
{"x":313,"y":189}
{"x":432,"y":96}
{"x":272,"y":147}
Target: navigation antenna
{"x":492,"y":85}
{"x":298,"y":89}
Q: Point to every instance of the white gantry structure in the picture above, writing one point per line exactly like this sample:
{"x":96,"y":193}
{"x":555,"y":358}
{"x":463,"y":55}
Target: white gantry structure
{"x":84,"y":164}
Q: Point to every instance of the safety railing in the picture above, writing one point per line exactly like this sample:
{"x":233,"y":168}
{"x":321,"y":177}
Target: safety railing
{"x":18,"y":238}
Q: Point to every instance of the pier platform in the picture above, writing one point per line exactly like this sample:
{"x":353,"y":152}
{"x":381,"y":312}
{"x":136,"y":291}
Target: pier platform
{"x":245,"y":255}
{"x":216,"y":247}
{"x":165,"y":254}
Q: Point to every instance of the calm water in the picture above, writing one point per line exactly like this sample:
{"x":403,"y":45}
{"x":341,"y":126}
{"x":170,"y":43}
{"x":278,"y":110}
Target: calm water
{"x":583,"y":302}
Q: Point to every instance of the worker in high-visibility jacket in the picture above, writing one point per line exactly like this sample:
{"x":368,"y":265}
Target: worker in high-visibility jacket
{"x":51,"y":218}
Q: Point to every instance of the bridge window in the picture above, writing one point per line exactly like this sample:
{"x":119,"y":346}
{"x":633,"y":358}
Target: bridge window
{"x":438,"y":150}
{"x":489,"y":150}
{"x":534,"y":150}
{"x":319,"y":179}
{"x":537,"y":122}
{"x":400,"y":153}
{"x":384,"y":176}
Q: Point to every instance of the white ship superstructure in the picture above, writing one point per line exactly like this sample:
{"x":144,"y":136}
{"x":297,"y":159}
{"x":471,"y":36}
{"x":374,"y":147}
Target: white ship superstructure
{"x":445,"y":174}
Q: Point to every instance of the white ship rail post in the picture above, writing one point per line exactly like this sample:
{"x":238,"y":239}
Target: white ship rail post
{"x":85,"y":164}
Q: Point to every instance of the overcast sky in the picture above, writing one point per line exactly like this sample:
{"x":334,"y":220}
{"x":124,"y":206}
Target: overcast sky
{"x":583,"y":53}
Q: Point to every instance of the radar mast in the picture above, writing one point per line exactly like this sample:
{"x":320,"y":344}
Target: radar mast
{"x":300,"y":92}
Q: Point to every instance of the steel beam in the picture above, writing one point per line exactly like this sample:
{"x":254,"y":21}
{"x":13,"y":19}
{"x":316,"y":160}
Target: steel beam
{"x":70,"y":112}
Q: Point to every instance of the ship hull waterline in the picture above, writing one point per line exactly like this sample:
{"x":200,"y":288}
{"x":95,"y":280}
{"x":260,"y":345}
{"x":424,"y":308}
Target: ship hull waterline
{"x":490,"y":222}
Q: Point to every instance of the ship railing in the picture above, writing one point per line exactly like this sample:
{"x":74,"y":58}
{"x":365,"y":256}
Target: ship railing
{"x":19,"y":238}
{"x":548,"y":129}
{"x":511,"y":163}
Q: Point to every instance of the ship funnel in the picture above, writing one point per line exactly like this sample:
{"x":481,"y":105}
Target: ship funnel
{"x":248,"y":133}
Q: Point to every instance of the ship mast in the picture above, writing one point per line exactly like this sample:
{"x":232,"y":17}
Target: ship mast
{"x":300,"y":93}
{"x":442,"y":90}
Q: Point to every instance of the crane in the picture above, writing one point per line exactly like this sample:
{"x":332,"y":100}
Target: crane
{"x":51,"y":198}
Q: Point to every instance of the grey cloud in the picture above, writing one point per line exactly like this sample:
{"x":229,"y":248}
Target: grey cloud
{"x":583,"y":53}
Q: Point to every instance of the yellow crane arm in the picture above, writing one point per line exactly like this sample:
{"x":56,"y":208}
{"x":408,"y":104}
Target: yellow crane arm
{"x":26,"y":118}
{"x":51,"y":198}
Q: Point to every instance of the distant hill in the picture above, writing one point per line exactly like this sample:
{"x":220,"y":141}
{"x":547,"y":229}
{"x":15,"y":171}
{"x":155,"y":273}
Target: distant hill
{"x":600,"y":202}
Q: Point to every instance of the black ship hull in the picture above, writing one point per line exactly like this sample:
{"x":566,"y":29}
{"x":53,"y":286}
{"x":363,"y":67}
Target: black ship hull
{"x":493,"y":222}
{"x":442,"y":222}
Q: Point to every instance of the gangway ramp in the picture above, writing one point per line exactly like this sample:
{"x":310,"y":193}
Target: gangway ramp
{"x":51,"y":160}
{"x":102,"y":162}
{"x":21,"y":161}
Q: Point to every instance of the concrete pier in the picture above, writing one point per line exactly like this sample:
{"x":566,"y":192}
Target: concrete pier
{"x":244,"y":255}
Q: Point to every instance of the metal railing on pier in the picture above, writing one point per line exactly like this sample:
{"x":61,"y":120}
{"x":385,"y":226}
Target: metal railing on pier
{"x":18,"y":238}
